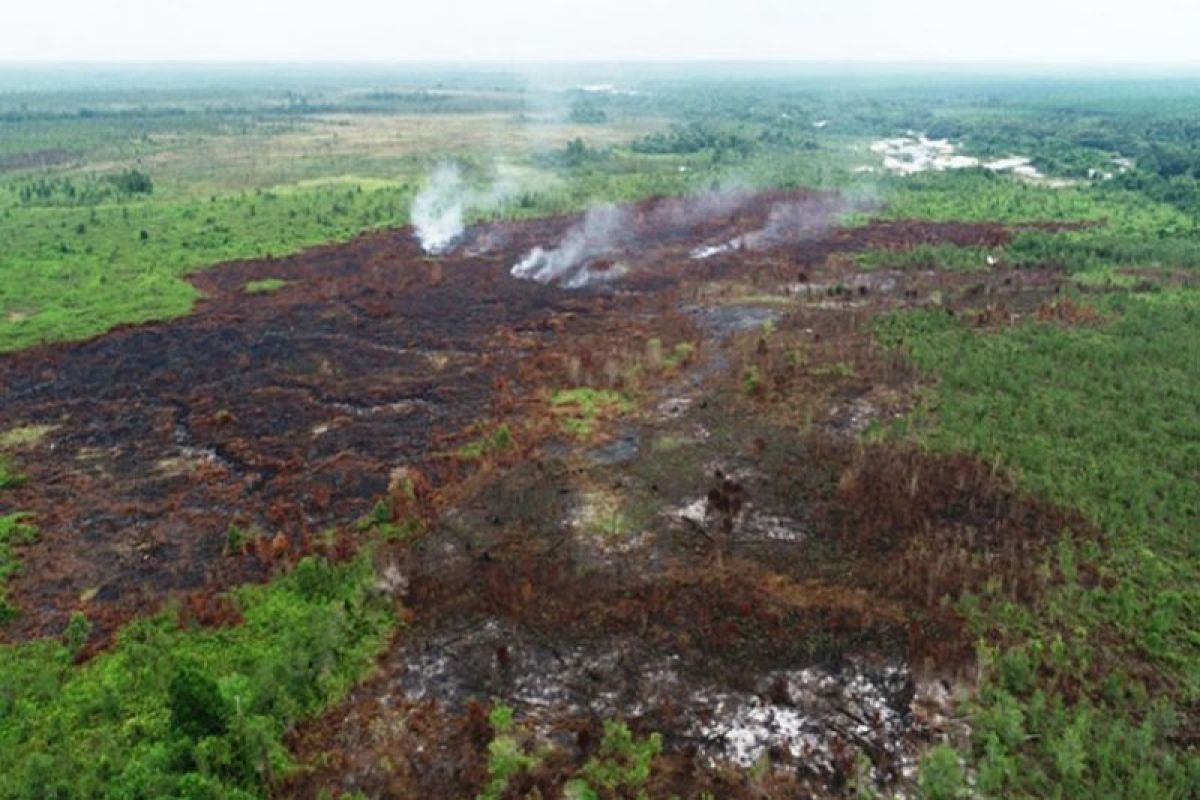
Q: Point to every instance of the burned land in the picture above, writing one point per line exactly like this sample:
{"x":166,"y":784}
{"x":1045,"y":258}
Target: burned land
{"x":641,"y":498}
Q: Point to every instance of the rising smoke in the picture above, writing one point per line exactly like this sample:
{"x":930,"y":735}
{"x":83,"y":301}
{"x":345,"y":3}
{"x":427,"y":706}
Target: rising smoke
{"x":603,"y":231}
{"x":607,"y":231}
{"x":438,"y":210}
{"x":588,"y":252}
{"x":786,"y":223}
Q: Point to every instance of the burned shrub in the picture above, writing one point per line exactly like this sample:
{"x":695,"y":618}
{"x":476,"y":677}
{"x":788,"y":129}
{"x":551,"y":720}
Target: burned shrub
{"x":928,"y":528}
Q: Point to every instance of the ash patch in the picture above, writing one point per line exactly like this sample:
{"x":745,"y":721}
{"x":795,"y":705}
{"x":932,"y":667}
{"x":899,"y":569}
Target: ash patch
{"x":747,"y":525}
{"x":815,"y":717}
{"x":499,"y":659}
{"x":726,"y":320}
{"x":818,"y":718}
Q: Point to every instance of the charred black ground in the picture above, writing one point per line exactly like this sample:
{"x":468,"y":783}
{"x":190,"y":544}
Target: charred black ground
{"x":724,"y":563}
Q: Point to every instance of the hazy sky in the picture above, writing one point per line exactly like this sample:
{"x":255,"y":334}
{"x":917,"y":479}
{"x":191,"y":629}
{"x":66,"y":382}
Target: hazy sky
{"x":1041,"y":31}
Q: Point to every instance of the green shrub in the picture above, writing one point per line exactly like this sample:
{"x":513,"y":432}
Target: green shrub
{"x":380,"y":521}
{"x":1094,"y":418}
{"x":620,"y":765}
{"x":77,"y":632}
{"x":505,"y":756}
{"x":14,"y":530}
{"x":132,"y":181}
{"x":197,"y":712}
{"x":237,"y":538}
{"x":680,"y":355}
{"x":752,"y":383}
{"x":941,"y":776}
{"x":195,"y":702}
{"x":498,"y":441}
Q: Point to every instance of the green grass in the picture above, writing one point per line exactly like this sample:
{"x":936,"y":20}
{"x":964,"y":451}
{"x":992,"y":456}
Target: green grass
{"x":10,"y":478}
{"x":581,"y":408}
{"x":680,"y":354}
{"x":173,"y":711}
{"x":264,"y":286}
{"x":620,"y":766}
{"x":74,"y":272}
{"x":379,"y":521}
{"x":1128,"y":228}
{"x":611,"y":516}
{"x":497,"y":441}
{"x":14,"y":530}
{"x":238,"y":185}
{"x":1105,"y":419}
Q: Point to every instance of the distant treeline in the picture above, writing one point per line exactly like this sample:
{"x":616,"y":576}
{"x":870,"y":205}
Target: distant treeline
{"x":288,"y":105}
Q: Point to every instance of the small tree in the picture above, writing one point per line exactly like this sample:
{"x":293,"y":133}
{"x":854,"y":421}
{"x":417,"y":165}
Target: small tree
{"x":132,"y":181}
{"x":197,"y":707}
{"x":941,"y":774}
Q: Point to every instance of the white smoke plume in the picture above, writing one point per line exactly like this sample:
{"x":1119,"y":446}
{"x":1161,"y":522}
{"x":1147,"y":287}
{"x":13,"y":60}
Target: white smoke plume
{"x":437,"y":211}
{"x":588,"y":251}
{"x":603,"y":231}
{"x":786,"y":223}
{"x":795,"y":222}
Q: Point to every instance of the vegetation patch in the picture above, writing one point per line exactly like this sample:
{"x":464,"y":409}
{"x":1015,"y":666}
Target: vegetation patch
{"x":620,"y":767}
{"x":657,"y":357}
{"x":506,"y":758}
{"x":384,"y":522}
{"x":10,"y":478}
{"x":1103,"y":419}
{"x":580,"y":409}
{"x":175,"y":711}
{"x":264,"y":286}
{"x":26,"y":436}
{"x":14,"y":530}
{"x":498,"y":440}
{"x":1035,"y":516}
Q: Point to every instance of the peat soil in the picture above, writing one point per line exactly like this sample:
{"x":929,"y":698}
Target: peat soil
{"x":726,"y":563}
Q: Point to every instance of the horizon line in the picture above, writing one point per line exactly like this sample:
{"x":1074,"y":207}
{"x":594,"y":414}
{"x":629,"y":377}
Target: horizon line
{"x":643,"y":61}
